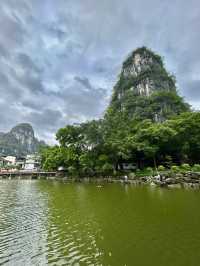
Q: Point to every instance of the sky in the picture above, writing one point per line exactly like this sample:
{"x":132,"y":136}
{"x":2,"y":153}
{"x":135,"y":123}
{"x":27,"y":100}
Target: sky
{"x":59,"y":59}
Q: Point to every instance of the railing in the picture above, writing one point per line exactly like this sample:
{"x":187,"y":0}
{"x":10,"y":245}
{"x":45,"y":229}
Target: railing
{"x":29,"y":174}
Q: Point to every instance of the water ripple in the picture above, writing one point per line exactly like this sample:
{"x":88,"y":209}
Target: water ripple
{"x":34,"y":233}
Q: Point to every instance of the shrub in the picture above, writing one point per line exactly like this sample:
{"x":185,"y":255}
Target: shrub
{"x":161,"y":168}
{"x":185,"y":167}
{"x":87,"y":171}
{"x":72,"y":170}
{"x":149,"y":170}
{"x":196,"y":168}
{"x":144,"y":172}
{"x":175,"y":169}
{"x":107,"y":168}
{"x":132,"y":175}
{"x":138,"y":172}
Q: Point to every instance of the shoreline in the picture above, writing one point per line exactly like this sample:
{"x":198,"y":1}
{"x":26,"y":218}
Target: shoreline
{"x":139,"y":182}
{"x":166,"y":180}
{"x":163,"y":179}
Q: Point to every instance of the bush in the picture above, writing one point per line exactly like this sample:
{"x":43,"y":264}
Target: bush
{"x":175,"y":169}
{"x":107,"y":168}
{"x":144,"y":172}
{"x":131,"y":175}
{"x":87,"y":171}
{"x":149,"y":170}
{"x":196,"y":168}
{"x":161,"y":168}
{"x":72,"y":170}
{"x":185,"y":167}
{"x":138,"y":172}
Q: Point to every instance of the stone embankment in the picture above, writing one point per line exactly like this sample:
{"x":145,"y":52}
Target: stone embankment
{"x":172,"y":180}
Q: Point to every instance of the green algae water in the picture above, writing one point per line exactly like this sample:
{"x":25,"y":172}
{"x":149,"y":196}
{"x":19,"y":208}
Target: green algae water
{"x":54,"y":223}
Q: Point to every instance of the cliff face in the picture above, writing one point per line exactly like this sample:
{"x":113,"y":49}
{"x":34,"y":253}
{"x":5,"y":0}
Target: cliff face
{"x":145,"y":89}
{"x":146,"y":72}
{"x":24,"y":134}
{"x":19,"y":141}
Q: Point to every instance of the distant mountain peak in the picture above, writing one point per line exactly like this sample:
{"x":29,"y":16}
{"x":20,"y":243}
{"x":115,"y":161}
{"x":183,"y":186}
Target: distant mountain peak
{"x":19,"y":141}
{"x":145,"y":89}
{"x":146,"y":73}
{"x":23,"y":129}
{"x":25,"y":126}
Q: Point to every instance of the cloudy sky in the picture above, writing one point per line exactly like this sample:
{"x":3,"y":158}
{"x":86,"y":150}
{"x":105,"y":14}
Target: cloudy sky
{"x":60,"y":58}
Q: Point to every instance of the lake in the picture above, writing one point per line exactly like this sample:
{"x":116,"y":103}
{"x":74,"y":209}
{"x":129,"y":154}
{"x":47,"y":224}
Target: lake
{"x":55,"y":223}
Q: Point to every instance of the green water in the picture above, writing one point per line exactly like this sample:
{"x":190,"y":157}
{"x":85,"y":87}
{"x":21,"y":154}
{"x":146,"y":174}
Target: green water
{"x":52,"y":223}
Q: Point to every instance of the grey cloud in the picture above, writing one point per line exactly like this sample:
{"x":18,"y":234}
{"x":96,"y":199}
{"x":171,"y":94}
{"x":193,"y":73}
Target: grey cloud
{"x":27,"y":63}
{"x":50,"y":119}
{"x":192,"y":90}
{"x":31,"y":82}
{"x":33,"y":105}
{"x":9,"y":116}
{"x":59,"y":59}
{"x":13,"y":32}
{"x":84,"y":81}
{"x":8,"y":92}
{"x":83,"y":99}
{"x":3,"y":80}
{"x":3,"y":51}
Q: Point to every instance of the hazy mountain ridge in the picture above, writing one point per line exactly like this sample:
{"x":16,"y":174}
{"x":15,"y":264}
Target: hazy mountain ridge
{"x":20,"y":141}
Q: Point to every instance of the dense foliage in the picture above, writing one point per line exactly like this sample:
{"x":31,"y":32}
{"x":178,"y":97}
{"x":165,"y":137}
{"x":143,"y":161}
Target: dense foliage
{"x":101,"y":147}
{"x":159,"y":106}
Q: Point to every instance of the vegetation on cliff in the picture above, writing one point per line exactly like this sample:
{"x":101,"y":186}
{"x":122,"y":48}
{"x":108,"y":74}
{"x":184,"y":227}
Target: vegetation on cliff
{"x":146,"y":124}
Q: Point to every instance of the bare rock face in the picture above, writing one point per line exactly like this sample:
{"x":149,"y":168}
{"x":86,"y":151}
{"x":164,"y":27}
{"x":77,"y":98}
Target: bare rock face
{"x":136,"y":64}
{"x":25,"y":136}
{"x":19,"y":141}
{"x":145,"y":89}
{"x":146,"y":73}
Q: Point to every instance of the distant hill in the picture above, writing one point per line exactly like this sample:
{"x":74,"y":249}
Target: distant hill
{"x":145,"y":90}
{"x":20,"y":141}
